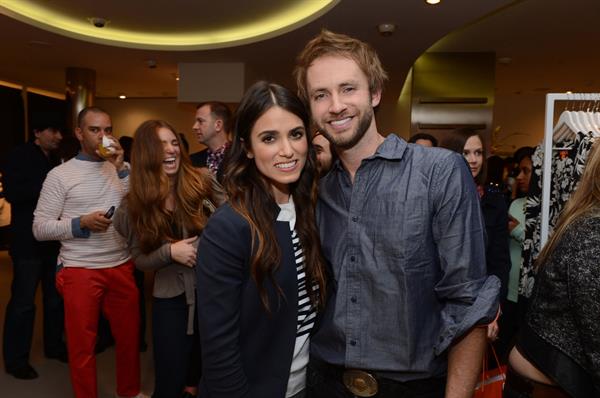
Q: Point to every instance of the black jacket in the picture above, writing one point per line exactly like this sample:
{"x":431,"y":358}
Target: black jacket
{"x":561,"y":336}
{"x":497,"y":252}
{"x":24,"y":173}
{"x":246,"y":352}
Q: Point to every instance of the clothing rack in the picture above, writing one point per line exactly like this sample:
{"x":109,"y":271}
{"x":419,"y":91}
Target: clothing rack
{"x":548,"y":147}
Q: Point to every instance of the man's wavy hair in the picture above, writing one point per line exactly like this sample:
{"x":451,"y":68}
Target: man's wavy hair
{"x":336,"y":44}
{"x":250,"y":193}
{"x":149,"y":188}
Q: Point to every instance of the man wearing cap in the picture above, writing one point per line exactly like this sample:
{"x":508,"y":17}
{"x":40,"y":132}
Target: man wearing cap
{"x":33,"y":262}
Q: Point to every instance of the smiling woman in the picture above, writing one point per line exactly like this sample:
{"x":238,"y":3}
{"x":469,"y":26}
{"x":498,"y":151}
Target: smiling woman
{"x":279,"y":148}
{"x":165,"y":210}
{"x":259,"y":268}
{"x":236,"y":28}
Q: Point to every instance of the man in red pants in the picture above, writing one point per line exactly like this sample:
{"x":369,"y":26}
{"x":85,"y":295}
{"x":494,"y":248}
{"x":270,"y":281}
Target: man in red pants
{"x":96,"y":273}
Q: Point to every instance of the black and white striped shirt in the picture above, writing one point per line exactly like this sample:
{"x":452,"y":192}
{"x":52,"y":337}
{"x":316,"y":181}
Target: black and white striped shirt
{"x":306,"y":311}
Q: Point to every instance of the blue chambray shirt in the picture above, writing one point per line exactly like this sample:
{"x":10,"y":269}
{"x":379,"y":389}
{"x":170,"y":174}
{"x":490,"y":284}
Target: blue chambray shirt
{"x":406,"y":244}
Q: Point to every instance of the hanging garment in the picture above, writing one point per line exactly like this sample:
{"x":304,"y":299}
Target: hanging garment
{"x":567,"y":169}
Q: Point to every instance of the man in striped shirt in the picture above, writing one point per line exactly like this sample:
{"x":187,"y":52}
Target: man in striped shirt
{"x":96,"y":273}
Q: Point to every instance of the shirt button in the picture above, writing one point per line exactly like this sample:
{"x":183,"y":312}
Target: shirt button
{"x":352,"y":258}
{"x":352,"y":342}
{"x":353,"y":299}
{"x":355,"y":219}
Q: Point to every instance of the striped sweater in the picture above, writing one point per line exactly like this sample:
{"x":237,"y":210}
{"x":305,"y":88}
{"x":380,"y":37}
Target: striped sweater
{"x":71,"y":190}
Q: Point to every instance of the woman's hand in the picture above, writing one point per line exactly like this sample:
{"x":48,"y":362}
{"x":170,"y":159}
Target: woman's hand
{"x":184,"y":251}
{"x":493,"y":330}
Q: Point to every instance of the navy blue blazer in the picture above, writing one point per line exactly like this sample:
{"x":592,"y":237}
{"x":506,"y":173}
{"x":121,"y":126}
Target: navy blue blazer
{"x":246,"y":352}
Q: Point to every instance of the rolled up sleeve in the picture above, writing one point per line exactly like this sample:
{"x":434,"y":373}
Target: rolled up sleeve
{"x":469,"y":297}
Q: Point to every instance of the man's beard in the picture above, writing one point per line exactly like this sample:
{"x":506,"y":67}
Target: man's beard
{"x":346,"y":143}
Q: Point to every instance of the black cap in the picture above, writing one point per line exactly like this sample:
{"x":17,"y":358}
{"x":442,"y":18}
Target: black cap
{"x":43,"y":120}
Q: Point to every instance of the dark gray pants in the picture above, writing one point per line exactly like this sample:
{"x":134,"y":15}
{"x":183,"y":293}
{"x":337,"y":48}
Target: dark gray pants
{"x":28,"y":272}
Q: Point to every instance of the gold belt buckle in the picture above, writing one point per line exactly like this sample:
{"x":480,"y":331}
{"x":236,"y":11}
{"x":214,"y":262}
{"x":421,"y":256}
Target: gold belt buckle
{"x":360,"y":383}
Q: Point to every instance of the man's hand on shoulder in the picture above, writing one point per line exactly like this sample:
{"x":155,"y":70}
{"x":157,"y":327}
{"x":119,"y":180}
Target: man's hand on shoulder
{"x":95,"y":222}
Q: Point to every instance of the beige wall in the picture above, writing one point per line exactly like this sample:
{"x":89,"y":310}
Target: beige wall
{"x":520,"y":117}
{"x":128,"y":114}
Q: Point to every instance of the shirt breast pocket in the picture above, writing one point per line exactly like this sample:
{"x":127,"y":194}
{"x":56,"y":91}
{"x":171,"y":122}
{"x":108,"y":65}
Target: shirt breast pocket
{"x":401,"y":229}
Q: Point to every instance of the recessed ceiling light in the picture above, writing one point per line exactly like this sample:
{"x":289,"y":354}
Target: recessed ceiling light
{"x":177,"y":78}
{"x":122,"y":96}
{"x":386,"y":29}
{"x":98,"y":22}
{"x":433,"y":2}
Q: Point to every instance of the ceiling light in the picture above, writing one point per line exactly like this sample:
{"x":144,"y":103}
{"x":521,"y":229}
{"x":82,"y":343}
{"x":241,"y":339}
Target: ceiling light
{"x":433,"y":2}
{"x":122,"y":96}
{"x":386,"y":29}
{"x":98,"y":22}
{"x":294,"y":15}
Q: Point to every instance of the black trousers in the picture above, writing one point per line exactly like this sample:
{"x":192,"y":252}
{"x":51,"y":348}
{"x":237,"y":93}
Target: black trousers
{"x":177,"y":360}
{"x":325,"y":381}
{"x":28,"y":272}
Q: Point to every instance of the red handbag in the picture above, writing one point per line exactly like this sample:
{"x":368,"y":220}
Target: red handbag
{"x":492,"y":380}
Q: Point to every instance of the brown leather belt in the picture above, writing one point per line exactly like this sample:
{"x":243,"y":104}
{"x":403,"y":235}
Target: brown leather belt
{"x":534,"y":389}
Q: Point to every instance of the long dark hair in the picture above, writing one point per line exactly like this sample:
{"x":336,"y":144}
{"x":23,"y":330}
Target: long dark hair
{"x":456,"y":140}
{"x":251,"y":196}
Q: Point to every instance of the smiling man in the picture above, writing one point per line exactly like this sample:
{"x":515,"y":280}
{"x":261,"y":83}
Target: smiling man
{"x":96,"y":273}
{"x":402,"y":229}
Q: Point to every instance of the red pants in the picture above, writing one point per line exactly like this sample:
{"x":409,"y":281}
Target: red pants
{"x":113,"y":291}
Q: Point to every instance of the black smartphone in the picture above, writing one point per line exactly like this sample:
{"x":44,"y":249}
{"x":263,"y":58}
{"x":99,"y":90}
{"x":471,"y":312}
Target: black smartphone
{"x":110,"y":212}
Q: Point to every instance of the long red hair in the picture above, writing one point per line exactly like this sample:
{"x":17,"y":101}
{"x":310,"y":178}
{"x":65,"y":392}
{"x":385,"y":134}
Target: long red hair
{"x":150,"y":187}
